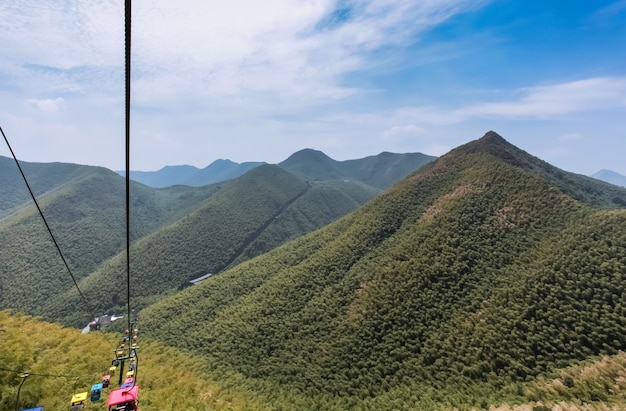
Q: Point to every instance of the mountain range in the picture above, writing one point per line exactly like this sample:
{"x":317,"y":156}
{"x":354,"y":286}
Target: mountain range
{"x":482,"y":278}
{"x":217,"y":171}
{"x":308,"y":160}
{"x":380,"y":171}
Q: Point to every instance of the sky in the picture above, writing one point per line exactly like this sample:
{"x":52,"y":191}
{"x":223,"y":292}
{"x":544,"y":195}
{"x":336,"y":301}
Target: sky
{"x":250,"y":80}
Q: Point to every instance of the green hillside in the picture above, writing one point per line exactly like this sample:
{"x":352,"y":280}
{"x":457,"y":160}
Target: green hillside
{"x":200,"y":242}
{"x":62,"y":361}
{"x":475,"y":275}
{"x":42,"y":177}
{"x":321,"y":204}
{"x":178,"y":232}
{"x":313,"y":165}
{"x":87,"y":218}
{"x":384,"y":169}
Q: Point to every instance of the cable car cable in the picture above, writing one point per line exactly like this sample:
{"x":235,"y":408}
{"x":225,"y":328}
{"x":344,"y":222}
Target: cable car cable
{"x":56,"y":244}
{"x":127,"y":32}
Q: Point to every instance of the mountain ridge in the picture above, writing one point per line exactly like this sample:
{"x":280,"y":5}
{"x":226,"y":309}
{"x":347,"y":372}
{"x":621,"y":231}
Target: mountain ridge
{"x":306,"y":163}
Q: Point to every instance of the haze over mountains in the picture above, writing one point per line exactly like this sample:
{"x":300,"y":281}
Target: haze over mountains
{"x":464,"y":285}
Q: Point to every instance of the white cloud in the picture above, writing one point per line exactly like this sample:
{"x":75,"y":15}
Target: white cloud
{"x":61,"y":33}
{"x":553,"y":100}
{"x":47,"y":105}
{"x":402,"y":132}
{"x":201,"y":69}
{"x":534,"y":103}
{"x":257,"y":79}
{"x":214,"y":48}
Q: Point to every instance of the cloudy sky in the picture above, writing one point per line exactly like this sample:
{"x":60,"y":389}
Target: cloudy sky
{"x":250,"y":80}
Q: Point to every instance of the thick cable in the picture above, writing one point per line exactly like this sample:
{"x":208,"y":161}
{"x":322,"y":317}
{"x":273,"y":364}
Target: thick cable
{"x":127,"y":117}
{"x":32,"y":195}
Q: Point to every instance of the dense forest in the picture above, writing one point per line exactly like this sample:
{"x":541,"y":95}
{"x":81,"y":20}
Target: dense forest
{"x":178,"y":233}
{"x":486,"y":279}
{"x":475,"y":274}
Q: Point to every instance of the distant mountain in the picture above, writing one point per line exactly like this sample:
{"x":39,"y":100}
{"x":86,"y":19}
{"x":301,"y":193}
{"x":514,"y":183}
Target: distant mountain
{"x":220,"y":170}
{"x":217,"y":171}
{"x":165,"y":177}
{"x":385,"y":169}
{"x":484,"y":270}
{"x":312,"y":164}
{"x":610,"y":177}
{"x":380,"y":171}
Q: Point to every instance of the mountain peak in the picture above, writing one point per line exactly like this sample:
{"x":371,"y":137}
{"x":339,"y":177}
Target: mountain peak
{"x":492,"y":137}
{"x":308,"y":154}
{"x":493,"y":147}
{"x":310,"y":163}
{"x":494,"y":144}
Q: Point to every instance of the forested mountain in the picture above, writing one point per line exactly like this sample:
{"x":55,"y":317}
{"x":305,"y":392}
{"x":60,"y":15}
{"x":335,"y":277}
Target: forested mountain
{"x":87,"y":216}
{"x":611,"y":177}
{"x":481,"y":280}
{"x":482,"y":271}
{"x":180,"y":233}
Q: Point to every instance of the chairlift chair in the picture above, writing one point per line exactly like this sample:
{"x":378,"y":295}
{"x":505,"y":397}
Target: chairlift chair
{"x":96,"y":391}
{"x":79,"y":401}
{"x":124,"y":399}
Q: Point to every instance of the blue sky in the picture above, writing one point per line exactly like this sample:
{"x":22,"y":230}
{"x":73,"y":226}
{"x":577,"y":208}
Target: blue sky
{"x":257,"y":81}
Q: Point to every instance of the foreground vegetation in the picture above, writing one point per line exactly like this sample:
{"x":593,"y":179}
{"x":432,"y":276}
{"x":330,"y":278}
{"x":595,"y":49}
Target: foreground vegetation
{"x":63,"y":361}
